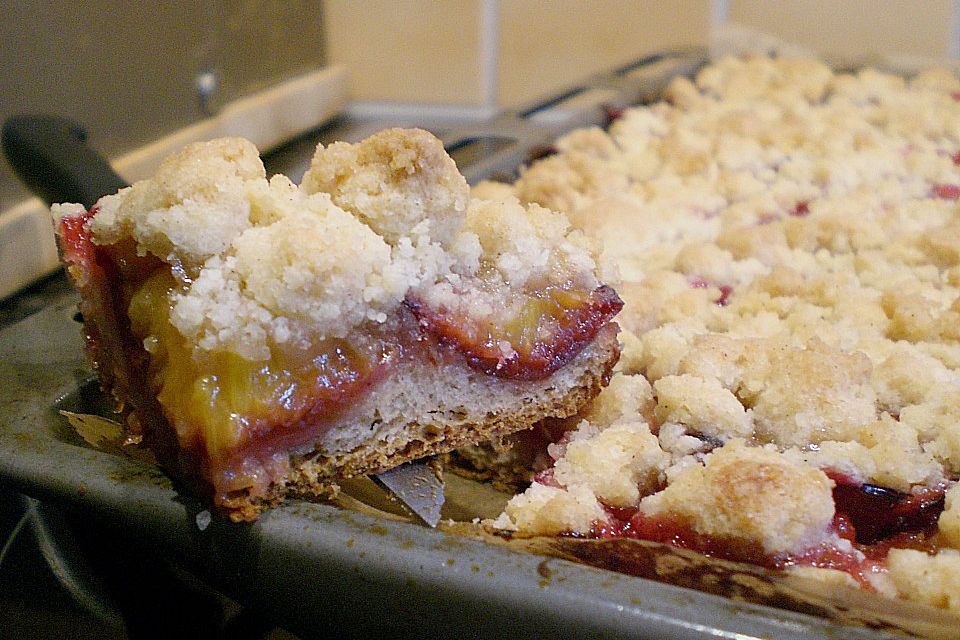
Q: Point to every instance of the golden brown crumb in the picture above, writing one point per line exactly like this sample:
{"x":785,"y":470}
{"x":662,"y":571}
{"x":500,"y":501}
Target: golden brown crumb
{"x":949,"y":523}
{"x":930,"y":579}
{"x":397,"y":181}
{"x":751,"y":493}
{"x":790,"y":254}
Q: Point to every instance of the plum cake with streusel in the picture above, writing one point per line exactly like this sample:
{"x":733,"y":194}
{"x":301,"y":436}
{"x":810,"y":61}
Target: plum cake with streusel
{"x":789,"y":390}
{"x":266,"y":338}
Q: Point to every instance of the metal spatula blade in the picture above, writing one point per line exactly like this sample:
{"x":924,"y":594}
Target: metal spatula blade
{"x":418,"y":486}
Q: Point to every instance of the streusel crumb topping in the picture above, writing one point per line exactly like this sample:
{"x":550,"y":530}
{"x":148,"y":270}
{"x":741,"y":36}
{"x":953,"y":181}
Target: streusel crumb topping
{"x":266,"y":263}
{"x":789,"y":244}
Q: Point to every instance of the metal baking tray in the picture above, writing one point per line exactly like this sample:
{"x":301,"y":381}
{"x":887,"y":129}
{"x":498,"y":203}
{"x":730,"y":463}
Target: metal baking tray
{"x":366,"y":569}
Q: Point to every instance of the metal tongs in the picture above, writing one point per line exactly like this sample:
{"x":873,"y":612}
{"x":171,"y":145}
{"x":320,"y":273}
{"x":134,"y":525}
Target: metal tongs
{"x":51,"y":155}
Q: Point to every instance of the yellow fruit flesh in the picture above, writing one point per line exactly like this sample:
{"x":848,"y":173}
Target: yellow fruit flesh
{"x":538,"y":317}
{"x":225,"y":407}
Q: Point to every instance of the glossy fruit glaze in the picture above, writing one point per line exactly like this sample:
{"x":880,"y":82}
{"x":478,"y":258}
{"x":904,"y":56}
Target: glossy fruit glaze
{"x":545,"y":329}
{"x":237,"y":420}
{"x":871,"y":518}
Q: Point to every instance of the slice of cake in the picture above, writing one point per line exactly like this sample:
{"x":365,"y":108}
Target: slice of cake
{"x":264,"y":338}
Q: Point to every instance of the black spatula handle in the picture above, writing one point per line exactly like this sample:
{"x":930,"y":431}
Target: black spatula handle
{"x":51,"y":155}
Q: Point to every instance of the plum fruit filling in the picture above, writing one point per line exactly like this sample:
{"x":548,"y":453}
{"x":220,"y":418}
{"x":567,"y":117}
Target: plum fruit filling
{"x":873,"y":519}
{"x":235,"y":421}
{"x":544,"y":330}
{"x":230,"y":410}
{"x":946,"y":191}
{"x":876,"y":513}
{"x":725,"y":290}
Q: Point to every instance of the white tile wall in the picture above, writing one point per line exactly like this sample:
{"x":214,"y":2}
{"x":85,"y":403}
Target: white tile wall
{"x":857,"y":29}
{"x":485,"y":54}
{"x":489,"y":53}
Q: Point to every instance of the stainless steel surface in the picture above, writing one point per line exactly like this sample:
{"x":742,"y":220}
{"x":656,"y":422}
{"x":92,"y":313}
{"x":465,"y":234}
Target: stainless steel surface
{"x":418,"y":486}
{"x":317,"y":569}
{"x":498,"y":147}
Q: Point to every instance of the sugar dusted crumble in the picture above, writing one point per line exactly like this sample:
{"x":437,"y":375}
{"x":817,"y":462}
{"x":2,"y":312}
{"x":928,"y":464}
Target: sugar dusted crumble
{"x":192,"y":209}
{"x":750,"y":492}
{"x":931,"y":579}
{"x":789,"y":245}
{"x":519,"y":246}
{"x":949,"y":523}
{"x":395,"y":182}
{"x":550,"y":510}
{"x":267,"y":263}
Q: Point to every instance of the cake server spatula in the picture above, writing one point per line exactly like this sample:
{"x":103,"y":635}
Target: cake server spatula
{"x":418,"y":486}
